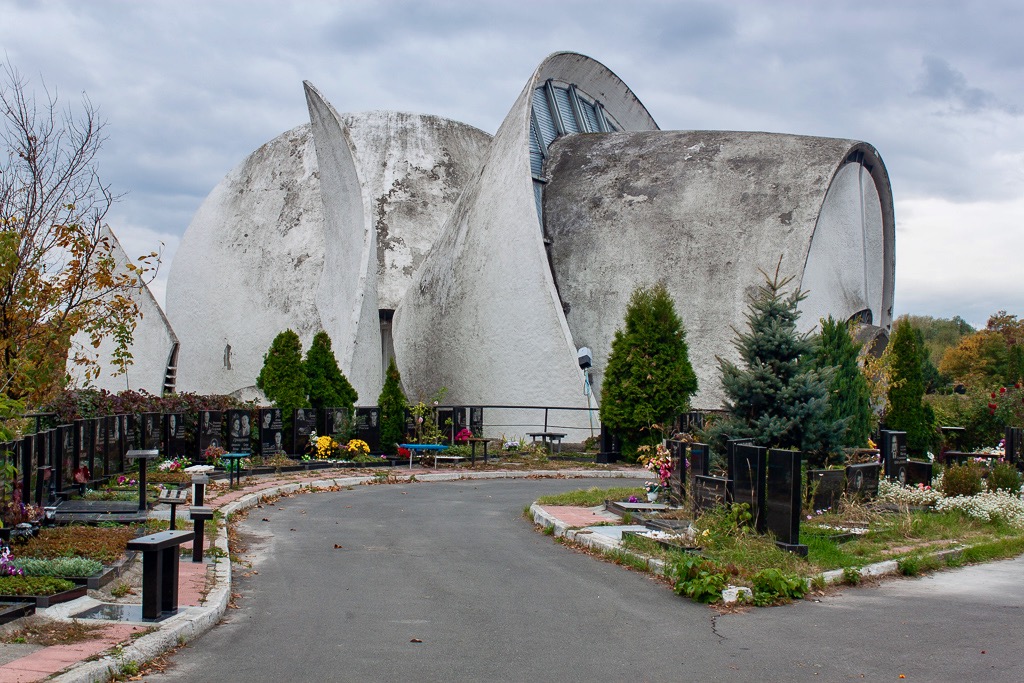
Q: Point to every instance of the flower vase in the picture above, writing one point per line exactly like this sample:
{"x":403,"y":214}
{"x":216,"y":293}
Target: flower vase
{"x":652,"y":496}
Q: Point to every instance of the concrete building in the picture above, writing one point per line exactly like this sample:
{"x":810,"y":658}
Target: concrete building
{"x":482,"y":264}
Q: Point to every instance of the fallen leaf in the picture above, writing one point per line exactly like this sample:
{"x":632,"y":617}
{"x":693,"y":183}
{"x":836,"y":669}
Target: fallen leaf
{"x":291,"y":530}
{"x":415,"y":640}
{"x":338,"y":545}
{"x":265,"y":519}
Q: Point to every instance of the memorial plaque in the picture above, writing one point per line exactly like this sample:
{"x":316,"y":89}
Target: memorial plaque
{"x":98,"y":449}
{"x":709,"y":492}
{"x":825,"y":488}
{"x":747,"y":473}
{"x":174,"y":435}
{"x":271,"y":433}
{"x":677,"y":482}
{"x":611,"y":446}
{"x":150,"y":436}
{"x":208,"y":430}
{"x":239,"y":431}
{"x":783,"y":506}
{"x":918,"y":472}
{"x":303,"y":424}
{"x":862,"y":480}
{"x":368,"y":427}
{"x":893,"y":448}
{"x":337,"y":424}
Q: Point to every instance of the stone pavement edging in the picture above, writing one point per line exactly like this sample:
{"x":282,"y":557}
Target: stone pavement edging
{"x":600,"y":542}
{"x":193,"y":622}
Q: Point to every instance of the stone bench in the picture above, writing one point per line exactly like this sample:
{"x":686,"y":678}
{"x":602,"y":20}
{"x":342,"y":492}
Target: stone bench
{"x":454,"y":459}
{"x":160,"y":571}
{"x":174,"y":498}
{"x":199,"y":516}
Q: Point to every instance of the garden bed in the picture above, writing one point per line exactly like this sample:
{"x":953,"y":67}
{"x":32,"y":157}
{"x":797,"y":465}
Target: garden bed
{"x":9,"y":611}
{"x":44,"y":601}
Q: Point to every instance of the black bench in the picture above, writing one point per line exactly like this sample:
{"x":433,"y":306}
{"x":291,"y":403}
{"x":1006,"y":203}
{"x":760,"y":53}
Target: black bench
{"x":174,"y":498}
{"x":160,"y":571}
{"x":199,"y":516}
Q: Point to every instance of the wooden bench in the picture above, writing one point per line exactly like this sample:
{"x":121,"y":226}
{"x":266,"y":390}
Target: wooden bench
{"x":174,"y":498}
{"x":199,"y":516}
{"x":160,"y":571}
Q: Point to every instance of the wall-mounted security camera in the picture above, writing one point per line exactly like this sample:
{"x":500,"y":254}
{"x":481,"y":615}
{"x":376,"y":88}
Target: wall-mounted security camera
{"x":583,"y":356}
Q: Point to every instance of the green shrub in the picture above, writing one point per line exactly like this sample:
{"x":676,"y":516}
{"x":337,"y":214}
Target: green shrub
{"x":907,"y":411}
{"x":33,"y":585}
{"x":772,"y":586}
{"x":1004,"y":477}
{"x":697,"y":579}
{"x":961,"y":480}
{"x":393,"y":406}
{"x":851,"y":576}
{"x":60,"y":566}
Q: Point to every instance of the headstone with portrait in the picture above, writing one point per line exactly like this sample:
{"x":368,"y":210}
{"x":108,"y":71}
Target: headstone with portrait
{"x":208,"y":431}
{"x":337,"y":424}
{"x":303,"y":424}
{"x":239,"y":431}
{"x":367,"y":427}
{"x":271,"y":432}
{"x":82,"y":447}
{"x":150,"y":431}
{"x":65,"y":469}
{"x":476,"y":420}
{"x":98,"y":452}
{"x":112,"y":454}
{"x":893,"y":449}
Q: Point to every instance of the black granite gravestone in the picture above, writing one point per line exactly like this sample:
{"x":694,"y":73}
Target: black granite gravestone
{"x":677,"y":482}
{"x":476,"y":421}
{"x":893,"y":447}
{"x":337,"y":424}
{"x":709,"y":492}
{"x":303,"y":424}
{"x":99,"y":447}
{"x":65,"y":467}
{"x":83,"y":444}
{"x":112,"y":453}
{"x":271,"y":433}
{"x":862,"y":480}
{"x":445,"y":420}
{"x":150,"y":436}
{"x":918,"y":472}
{"x":825,"y":488}
{"x":690,"y":422}
{"x":368,"y":427}
{"x":611,"y":447}
{"x":209,"y":431}
{"x":239,"y":431}
{"x":174,"y":435}
{"x":783,"y":506}
{"x":26,"y":465}
{"x":747,"y":476}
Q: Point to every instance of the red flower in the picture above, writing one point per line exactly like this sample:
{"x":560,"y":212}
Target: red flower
{"x":403,"y":452}
{"x":1002,"y":390}
{"x":992,"y":406}
{"x":993,"y":394}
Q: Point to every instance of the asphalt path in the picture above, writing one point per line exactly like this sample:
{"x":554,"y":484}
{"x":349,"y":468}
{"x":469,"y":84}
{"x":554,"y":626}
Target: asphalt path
{"x":448,"y":582}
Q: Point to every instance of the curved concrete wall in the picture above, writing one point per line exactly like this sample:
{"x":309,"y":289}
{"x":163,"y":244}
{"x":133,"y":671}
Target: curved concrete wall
{"x":483,"y":317}
{"x":152,"y":342}
{"x":703,"y":212}
{"x":243,"y":269}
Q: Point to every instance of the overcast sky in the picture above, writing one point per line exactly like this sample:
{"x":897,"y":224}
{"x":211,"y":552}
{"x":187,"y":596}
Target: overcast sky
{"x":189,"y":89}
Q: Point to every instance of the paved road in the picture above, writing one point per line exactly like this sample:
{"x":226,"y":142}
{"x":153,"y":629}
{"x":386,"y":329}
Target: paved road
{"x":456,"y":566}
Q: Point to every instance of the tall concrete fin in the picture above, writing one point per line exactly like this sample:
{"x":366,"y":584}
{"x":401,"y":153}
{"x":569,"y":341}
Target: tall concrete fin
{"x":347,"y":292}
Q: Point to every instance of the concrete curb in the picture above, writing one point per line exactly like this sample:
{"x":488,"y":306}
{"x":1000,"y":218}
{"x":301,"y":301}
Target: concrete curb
{"x":195,"y":621}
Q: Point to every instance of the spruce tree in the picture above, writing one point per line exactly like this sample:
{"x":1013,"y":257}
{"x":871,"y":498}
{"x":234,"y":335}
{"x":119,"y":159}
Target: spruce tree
{"x":282,"y":378}
{"x":849,"y":395}
{"x":777,"y":396}
{"x":907,"y":411}
{"x":327,"y":385}
{"x":392,"y":403}
{"x":649,"y":379}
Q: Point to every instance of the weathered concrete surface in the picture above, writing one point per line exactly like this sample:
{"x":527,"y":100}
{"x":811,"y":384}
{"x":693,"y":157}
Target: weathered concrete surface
{"x":151,"y":346}
{"x":703,"y":212}
{"x":483,"y":317}
{"x":246,"y":265}
{"x":277,"y":246}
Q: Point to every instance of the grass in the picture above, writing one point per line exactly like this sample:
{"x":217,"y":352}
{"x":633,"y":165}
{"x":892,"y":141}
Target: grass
{"x":592,"y":497}
{"x":46,"y":632}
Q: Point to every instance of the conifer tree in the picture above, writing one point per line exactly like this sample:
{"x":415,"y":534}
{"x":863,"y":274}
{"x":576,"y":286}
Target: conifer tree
{"x":907,"y":411}
{"x":327,"y":385}
{"x":777,"y":397}
{"x":849,"y":395}
{"x":649,"y":379}
{"x":392,"y":403}
{"x":283,"y":379}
